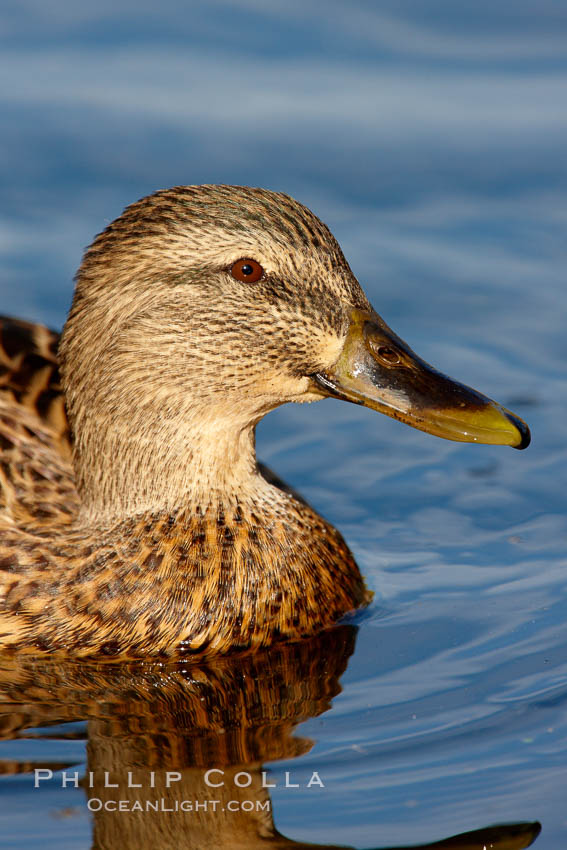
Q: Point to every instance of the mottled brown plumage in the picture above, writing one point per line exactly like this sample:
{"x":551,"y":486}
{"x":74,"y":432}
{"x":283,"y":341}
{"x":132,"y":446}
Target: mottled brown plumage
{"x":166,"y":535}
{"x":136,"y":520}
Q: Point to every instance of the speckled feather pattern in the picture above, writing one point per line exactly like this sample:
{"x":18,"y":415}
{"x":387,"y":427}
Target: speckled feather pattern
{"x":161,"y":534}
{"x":176,"y":583}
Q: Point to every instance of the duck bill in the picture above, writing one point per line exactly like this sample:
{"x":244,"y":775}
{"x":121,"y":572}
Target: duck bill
{"x":379,"y":370}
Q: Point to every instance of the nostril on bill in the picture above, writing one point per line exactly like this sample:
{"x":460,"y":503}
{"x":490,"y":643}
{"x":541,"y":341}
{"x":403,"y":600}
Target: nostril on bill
{"x":388,"y":355}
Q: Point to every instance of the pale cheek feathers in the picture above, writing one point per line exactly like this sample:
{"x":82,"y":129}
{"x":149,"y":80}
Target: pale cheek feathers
{"x":287,"y":379}
{"x":313,"y":349}
{"x":329,"y":346}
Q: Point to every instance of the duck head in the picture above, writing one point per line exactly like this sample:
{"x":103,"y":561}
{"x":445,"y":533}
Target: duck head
{"x":200,"y":309}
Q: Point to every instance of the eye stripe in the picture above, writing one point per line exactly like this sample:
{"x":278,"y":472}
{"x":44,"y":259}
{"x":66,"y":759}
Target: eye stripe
{"x":247,"y":271}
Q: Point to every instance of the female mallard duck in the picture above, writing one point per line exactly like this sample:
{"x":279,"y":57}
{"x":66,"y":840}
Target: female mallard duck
{"x":196,"y":312}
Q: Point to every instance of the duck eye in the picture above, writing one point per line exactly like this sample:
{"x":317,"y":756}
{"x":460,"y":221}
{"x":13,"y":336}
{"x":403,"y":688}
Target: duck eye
{"x":247,"y":271}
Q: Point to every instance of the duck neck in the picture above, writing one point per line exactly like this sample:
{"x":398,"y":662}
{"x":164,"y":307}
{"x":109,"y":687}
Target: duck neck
{"x":167,"y":468}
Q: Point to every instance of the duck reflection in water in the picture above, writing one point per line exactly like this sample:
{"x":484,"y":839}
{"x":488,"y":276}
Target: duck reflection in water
{"x":162,"y":726}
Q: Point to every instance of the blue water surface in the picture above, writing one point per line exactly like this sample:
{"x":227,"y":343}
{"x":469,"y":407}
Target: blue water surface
{"x":431,"y":138}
